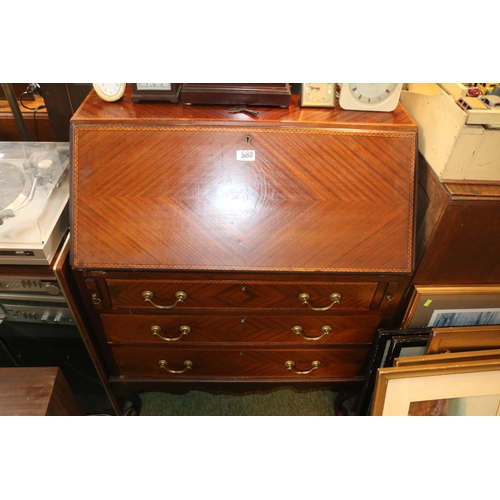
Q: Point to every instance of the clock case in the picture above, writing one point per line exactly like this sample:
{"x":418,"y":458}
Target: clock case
{"x":171,"y":95}
{"x":306,"y":103}
{"x":347,"y":100}
{"x":250,"y":94}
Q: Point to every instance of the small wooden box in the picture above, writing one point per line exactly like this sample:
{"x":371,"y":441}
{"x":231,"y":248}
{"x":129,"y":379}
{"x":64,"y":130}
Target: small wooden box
{"x":36,"y":392}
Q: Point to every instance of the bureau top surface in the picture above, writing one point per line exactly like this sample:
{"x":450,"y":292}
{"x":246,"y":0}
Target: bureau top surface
{"x":124,"y":112}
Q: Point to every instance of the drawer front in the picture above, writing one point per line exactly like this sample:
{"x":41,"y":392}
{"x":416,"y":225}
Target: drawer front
{"x":255,"y":295}
{"x":195,"y":364}
{"x":304,"y":330}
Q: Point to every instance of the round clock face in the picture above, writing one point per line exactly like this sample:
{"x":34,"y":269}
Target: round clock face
{"x":372,"y":92}
{"x":318,"y":94}
{"x":370,"y":96}
{"x":110,"y":91}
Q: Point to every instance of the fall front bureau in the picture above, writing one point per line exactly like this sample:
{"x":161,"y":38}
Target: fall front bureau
{"x":215,"y":248}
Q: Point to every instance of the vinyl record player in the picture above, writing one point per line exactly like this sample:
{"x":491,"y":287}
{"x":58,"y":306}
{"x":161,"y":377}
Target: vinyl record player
{"x":34,"y":194}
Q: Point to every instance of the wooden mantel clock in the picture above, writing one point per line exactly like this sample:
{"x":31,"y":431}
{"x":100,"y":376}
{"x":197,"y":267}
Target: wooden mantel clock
{"x":156,"y":92}
{"x":218,"y":250}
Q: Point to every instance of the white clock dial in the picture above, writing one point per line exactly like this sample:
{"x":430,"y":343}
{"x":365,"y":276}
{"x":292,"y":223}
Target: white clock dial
{"x":370,"y":96}
{"x":318,"y":94}
{"x":372,"y":92}
{"x":154,"y":86}
{"x":110,"y":91}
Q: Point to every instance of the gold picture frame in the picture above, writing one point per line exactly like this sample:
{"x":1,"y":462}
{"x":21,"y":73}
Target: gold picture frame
{"x":459,"y":339}
{"x":397,"y":388}
{"x":436,"y":306}
{"x":447,"y":357}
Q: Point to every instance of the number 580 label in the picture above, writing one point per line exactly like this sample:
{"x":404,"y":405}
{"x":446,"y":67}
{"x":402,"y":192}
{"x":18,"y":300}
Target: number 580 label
{"x":245,"y":155}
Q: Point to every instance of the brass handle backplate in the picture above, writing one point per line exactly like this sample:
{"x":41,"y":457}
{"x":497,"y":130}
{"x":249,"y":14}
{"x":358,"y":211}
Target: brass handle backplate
{"x":325,"y":329}
{"x":290,"y":365}
{"x":180,"y":296}
{"x":163,"y":364}
{"x":183,"y":329}
{"x":334,"y":297}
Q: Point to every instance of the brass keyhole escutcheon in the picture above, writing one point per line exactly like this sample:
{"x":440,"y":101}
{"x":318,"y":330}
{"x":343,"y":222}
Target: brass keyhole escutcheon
{"x":248,"y":139}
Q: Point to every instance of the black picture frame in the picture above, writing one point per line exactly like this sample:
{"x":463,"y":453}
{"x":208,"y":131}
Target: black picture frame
{"x":406,"y":345}
{"x":383,"y":351}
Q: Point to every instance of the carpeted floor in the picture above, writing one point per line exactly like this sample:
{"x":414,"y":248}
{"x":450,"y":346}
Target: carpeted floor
{"x":277,"y":402}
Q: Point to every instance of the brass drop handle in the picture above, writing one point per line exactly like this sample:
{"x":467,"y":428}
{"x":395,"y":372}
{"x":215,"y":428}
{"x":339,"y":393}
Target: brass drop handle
{"x":290,"y":365}
{"x":180,"y":296}
{"x":163,"y":364}
{"x":334,"y":297}
{"x":183,"y":329}
{"x":298,"y":331}
{"x":95,"y":299}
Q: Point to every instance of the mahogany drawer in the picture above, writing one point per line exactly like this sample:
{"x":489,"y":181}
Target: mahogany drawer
{"x":236,"y":294}
{"x":307,"y":329}
{"x":237,"y":363}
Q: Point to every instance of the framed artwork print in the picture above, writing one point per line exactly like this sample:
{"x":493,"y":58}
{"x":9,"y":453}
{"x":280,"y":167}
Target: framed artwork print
{"x":448,"y":356}
{"x":450,"y":306}
{"x":469,"y":338}
{"x":463,"y":388}
{"x":382,"y":353}
{"x":406,"y":345}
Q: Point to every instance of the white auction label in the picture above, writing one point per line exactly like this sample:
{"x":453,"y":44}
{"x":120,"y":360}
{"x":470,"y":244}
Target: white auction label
{"x":245,"y":155}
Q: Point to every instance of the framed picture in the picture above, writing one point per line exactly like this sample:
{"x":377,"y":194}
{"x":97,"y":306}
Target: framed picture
{"x":443,"y":306}
{"x":405,"y":345}
{"x":469,"y":338}
{"x":382,"y":353}
{"x":447,"y":357}
{"x":465,"y":388}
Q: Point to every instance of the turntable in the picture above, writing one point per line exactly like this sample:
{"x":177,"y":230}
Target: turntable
{"x":34,"y":194}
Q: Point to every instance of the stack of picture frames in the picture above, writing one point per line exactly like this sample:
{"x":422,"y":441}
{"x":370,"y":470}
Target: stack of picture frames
{"x":443,"y":361}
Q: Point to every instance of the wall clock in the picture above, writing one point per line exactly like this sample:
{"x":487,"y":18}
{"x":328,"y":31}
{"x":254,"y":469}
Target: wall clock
{"x":110,"y":91}
{"x":156,"y":92}
{"x":319,"y":95}
{"x":370,"y":96}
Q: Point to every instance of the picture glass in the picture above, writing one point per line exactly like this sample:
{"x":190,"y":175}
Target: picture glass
{"x":463,"y":406}
{"x":464,"y":317}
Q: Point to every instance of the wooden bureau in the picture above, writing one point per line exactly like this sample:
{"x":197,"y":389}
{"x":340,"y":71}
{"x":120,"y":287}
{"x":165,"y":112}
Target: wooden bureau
{"x":219,"y":248}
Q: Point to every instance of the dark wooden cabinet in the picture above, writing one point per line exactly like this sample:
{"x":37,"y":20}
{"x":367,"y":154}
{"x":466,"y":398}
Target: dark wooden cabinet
{"x":212,"y":247}
{"x":36,"y":392}
{"x":459,"y":225}
{"x":458,"y":240}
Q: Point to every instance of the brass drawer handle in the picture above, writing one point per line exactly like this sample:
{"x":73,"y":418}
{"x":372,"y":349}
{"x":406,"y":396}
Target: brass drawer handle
{"x":290,"y":365}
{"x":298,"y":331}
{"x":95,"y":299}
{"x":183,"y":329}
{"x":188,"y":365}
{"x":180,"y":296}
{"x":334,"y":297}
